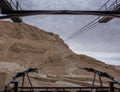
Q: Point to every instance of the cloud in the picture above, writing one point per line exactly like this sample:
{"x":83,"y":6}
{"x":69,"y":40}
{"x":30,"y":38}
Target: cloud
{"x":63,"y":4}
{"x":107,"y":57}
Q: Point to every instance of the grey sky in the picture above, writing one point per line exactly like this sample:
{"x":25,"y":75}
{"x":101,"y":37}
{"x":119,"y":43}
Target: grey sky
{"x":101,"y":42}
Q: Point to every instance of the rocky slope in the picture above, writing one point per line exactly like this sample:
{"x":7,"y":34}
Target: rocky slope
{"x":23,"y":46}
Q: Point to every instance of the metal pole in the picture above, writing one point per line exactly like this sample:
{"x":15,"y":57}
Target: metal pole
{"x":22,"y":83}
{"x":116,"y":2}
{"x":17,"y":4}
{"x":93,"y":82}
{"x":101,"y":85}
{"x":30,"y":82}
{"x":106,"y":7}
{"x":10,"y":2}
{"x":16,"y":86}
{"x":5,"y":89}
{"x":111,"y":86}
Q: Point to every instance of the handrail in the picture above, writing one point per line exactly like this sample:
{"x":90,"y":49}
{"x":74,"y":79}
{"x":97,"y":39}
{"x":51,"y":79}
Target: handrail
{"x":63,"y":87}
{"x":36,"y":89}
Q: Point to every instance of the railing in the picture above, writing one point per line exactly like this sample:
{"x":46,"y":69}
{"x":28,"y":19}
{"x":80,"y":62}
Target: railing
{"x":65,"y":89}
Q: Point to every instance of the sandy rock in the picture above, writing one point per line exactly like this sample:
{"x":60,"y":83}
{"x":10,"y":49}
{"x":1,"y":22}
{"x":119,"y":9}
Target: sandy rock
{"x":23,"y":46}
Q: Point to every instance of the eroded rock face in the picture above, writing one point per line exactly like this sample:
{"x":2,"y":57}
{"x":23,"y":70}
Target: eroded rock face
{"x":26,"y":46}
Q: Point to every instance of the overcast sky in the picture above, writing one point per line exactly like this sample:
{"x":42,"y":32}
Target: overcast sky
{"x":101,"y":42}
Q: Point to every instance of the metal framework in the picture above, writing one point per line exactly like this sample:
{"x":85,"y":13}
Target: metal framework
{"x":115,"y":6}
{"x":5,"y":5}
{"x":17,"y":12}
{"x":107,"y":6}
{"x":18,"y":75}
{"x":61,"y":89}
{"x":101,"y":74}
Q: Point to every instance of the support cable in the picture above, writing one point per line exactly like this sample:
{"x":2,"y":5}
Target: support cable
{"x":83,"y":29}
{"x":92,"y":24}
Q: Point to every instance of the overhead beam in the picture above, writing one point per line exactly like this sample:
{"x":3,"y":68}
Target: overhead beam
{"x":74,"y":12}
{"x":19,"y":13}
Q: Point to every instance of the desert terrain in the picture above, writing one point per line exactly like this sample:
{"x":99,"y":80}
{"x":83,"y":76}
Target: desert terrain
{"x":23,"y":46}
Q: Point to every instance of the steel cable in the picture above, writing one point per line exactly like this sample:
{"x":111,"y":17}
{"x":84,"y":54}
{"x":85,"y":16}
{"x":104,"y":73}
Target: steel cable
{"x":83,"y":29}
{"x":88,"y":26}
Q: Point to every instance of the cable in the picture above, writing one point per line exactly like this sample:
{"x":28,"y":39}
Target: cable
{"x":83,"y":29}
{"x":88,"y":26}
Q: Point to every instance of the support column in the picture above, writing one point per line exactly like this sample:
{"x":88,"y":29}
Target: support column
{"x":15,"y":86}
{"x":92,"y":87}
{"x":111,"y":86}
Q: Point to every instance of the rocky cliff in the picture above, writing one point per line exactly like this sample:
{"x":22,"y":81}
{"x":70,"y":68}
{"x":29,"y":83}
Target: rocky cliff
{"x":23,"y":46}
